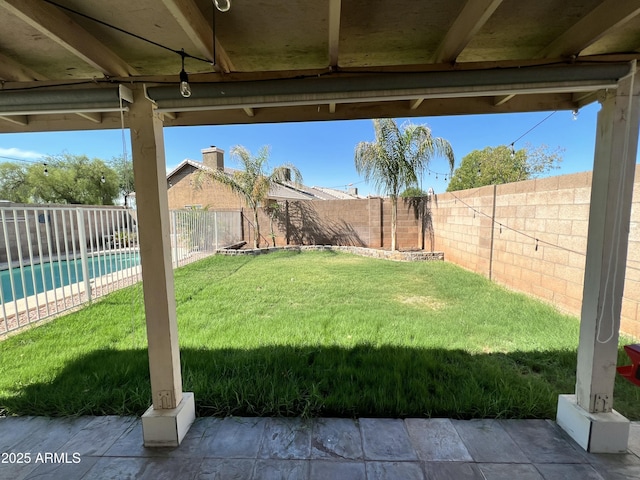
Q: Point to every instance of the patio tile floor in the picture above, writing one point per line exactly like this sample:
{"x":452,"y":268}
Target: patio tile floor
{"x":236,"y":448}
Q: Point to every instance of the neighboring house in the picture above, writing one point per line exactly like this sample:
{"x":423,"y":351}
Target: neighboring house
{"x":183,"y":192}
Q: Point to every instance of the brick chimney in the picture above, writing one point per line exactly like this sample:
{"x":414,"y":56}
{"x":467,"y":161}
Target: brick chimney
{"x":213,"y":157}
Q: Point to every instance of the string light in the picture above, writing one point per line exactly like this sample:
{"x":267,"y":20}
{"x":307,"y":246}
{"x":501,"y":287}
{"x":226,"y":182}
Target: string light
{"x":185,"y":89}
{"x":574,"y":114}
{"x":446,"y":175}
{"x":102,"y":179}
{"x":513,"y":148}
{"x":46,"y":170}
{"x":222,"y":5}
{"x":535,"y":239}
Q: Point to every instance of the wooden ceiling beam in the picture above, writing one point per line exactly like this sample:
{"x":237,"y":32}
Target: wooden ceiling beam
{"x":501,"y":99}
{"x":585,"y":98}
{"x":223,"y":62}
{"x":406,"y":86}
{"x":413,"y":104}
{"x":471,"y":19}
{"x":95,"y":117}
{"x":335,"y":7}
{"x":288,"y":74}
{"x":59,"y":27}
{"x":13,"y":71}
{"x":347,"y":111}
{"x":22,"y":120}
{"x":193,"y":23}
{"x":397,"y":109}
{"x":606,"y":17}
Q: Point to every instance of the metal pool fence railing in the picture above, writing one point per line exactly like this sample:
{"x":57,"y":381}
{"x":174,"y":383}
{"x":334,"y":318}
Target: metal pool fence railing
{"x":53,"y":259}
{"x":196,"y":234}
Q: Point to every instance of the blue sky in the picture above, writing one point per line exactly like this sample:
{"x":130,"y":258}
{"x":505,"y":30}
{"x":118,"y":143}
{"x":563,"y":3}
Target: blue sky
{"x":323,"y":151}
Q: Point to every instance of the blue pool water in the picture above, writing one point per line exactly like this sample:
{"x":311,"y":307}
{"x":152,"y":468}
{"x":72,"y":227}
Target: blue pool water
{"x":61,"y":273}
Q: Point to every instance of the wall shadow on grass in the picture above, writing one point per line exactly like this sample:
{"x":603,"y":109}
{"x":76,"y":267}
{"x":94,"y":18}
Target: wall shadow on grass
{"x":322,"y":381}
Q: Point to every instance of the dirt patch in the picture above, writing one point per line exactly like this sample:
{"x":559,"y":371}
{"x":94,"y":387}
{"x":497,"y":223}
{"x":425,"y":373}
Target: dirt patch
{"x":423,"y":301}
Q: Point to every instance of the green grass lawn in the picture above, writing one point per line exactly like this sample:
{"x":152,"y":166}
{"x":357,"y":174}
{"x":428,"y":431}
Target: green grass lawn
{"x":312,"y":334}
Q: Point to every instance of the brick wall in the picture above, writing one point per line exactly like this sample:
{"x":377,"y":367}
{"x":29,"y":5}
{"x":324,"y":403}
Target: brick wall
{"x":364,"y":222}
{"x":182,"y":192}
{"x":361,"y":223}
{"x":553,"y":210}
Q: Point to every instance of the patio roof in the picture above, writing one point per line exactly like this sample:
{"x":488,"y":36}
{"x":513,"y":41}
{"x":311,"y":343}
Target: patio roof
{"x":64,"y":66}
{"x":324,"y":60}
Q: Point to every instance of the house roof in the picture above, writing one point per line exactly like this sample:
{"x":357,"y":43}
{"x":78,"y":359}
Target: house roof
{"x":278,"y":191}
{"x":195,"y":164}
{"x":327,"y":193}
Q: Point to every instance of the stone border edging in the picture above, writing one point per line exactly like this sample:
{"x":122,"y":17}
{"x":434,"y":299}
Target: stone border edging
{"x":397,"y":256}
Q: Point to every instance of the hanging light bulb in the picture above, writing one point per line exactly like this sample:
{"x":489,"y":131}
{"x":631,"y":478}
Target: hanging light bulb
{"x":574,"y":114}
{"x":102,"y":179}
{"x":222,"y":5}
{"x":513,"y":151}
{"x":185,"y":89}
{"x":46,"y":170}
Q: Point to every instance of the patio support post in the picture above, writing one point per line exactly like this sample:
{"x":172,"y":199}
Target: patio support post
{"x":167,"y":421}
{"x":588,"y":415}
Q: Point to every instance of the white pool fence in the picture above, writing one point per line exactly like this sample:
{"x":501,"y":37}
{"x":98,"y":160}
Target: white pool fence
{"x":56,"y":258}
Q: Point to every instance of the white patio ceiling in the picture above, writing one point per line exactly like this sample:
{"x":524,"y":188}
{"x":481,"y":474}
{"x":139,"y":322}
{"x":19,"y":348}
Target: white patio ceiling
{"x":301,"y":60}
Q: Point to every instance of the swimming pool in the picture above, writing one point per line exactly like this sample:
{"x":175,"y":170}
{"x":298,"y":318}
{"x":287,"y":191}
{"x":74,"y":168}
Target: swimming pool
{"x":51,"y":275}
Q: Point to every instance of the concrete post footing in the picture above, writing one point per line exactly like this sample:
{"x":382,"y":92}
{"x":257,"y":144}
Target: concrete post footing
{"x":595,"y":432}
{"x":167,"y":428}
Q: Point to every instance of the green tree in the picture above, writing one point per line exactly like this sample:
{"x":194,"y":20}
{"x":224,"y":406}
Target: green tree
{"x":395,"y":159}
{"x":124,"y":170}
{"x":13,"y":183}
{"x":413,"y":192}
{"x":73,"y":179}
{"x":495,"y":166}
{"x":254,"y":181}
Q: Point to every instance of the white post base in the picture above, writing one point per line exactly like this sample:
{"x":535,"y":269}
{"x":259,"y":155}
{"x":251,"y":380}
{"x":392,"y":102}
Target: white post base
{"x":595,"y":432}
{"x":167,"y":428}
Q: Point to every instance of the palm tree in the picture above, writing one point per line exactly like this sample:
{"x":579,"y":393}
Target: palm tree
{"x":253,"y":182}
{"x":396,"y":157}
